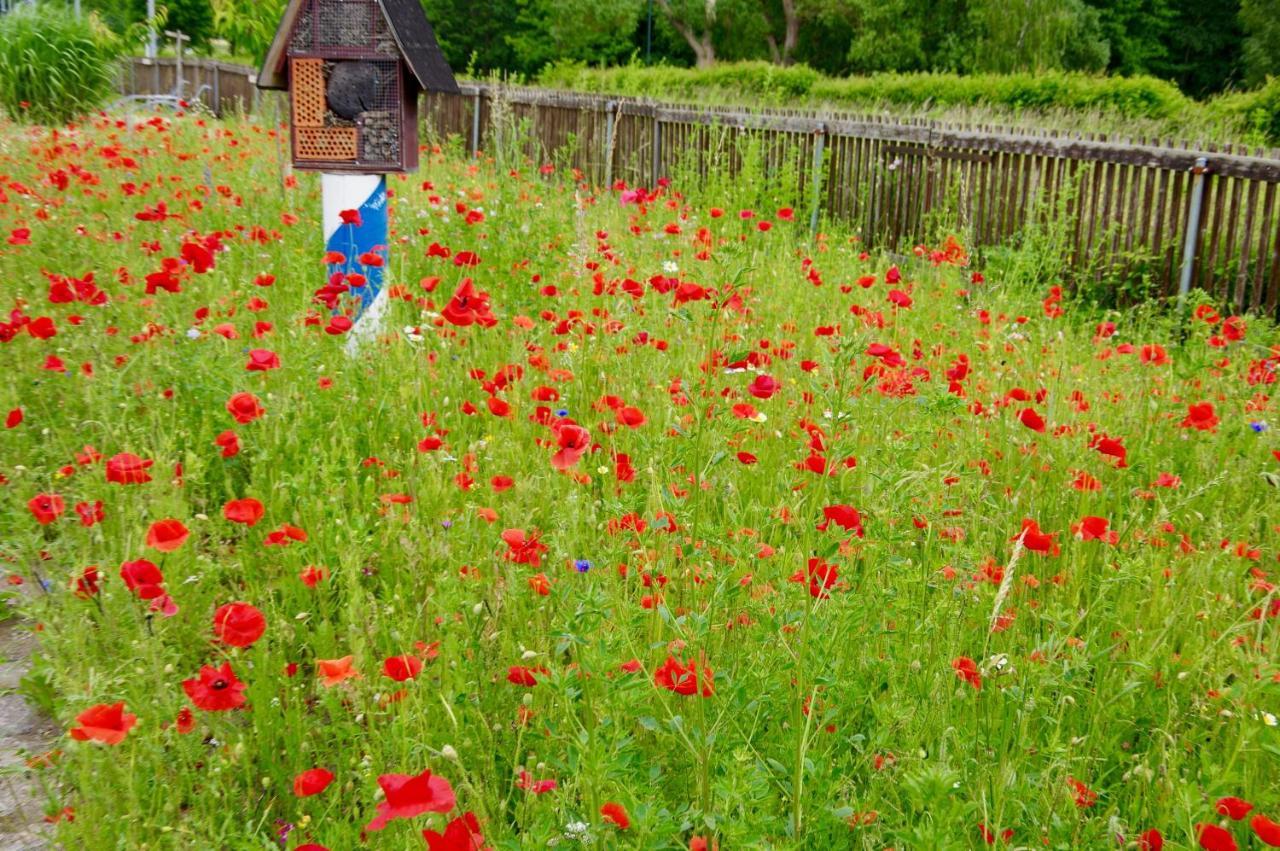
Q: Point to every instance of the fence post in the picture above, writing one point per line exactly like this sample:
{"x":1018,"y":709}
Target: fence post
{"x":820,"y":143}
{"x":217,"y":91}
{"x":1191,"y":241}
{"x":657,"y":150}
{"x":475,"y":124}
{"x":608,"y":142}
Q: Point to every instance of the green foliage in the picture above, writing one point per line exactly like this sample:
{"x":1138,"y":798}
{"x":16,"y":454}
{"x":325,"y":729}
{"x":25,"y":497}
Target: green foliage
{"x":1128,"y":96}
{"x":247,"y":25}
{"x":1258,"y":110}
{"x":1261,"y":22}
{"x":53,"y":65}
{"x":193,"y":17}
{"x":552,"y":30}
{"x":476,"y":41}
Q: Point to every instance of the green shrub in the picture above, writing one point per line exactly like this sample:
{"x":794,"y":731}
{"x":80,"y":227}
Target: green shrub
{"x":1144,"y":97}
{"x":53,"y":66}
{"x":1258,"y":110}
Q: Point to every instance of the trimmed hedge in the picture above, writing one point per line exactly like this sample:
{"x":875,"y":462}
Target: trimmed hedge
{"x":1060,"y":99}
{"x":1144,"y":97}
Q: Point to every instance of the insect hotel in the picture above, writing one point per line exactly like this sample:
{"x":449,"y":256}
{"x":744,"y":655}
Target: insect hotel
{"x":353,"y":70}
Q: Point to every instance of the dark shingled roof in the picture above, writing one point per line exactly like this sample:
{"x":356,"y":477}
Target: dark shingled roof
{"x":413,"y":34}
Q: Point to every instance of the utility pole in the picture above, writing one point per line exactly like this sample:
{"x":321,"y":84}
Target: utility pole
{"x":648,"y":37}
{"x":152,"y":50}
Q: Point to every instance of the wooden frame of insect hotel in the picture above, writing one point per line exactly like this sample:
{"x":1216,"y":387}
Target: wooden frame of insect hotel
{"x":353,"y":70}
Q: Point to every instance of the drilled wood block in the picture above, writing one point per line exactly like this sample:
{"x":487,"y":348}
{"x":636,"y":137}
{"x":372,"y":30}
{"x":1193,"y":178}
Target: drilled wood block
{"x":333,"y":144}
{"x":308,"y":92}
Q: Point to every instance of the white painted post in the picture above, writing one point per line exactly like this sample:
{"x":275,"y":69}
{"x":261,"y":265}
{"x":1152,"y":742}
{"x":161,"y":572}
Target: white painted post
{"x":367,"y":195}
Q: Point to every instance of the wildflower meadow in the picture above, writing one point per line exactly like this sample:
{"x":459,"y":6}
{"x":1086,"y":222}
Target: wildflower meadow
{"x":648,"y":519}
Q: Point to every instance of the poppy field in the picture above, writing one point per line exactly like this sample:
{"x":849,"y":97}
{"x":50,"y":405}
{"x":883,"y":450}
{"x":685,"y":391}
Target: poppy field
{"x":647,"y":521}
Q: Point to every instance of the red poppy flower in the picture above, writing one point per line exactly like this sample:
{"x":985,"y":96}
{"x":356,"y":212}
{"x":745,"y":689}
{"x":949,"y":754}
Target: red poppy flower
{"x":244,"y":407}
{"x":1032,"y":420}
{"x":1092,"y":528}
{"x":46,"y":507}
{"x":469,"y":306}
{"x":764,"y":386}
{"x":350,"y":217}
{"x":262,"y":360}
{"x":1084,"y":796}
{"x":229,"y":442}
{"x":1214,"y":838}
{"x":312,"y":576}
{"x":401,"y":668}
{"x":313,"y":781}
{"x":143,"y":578}
{"x":523,"y":548}
{"x":185,"y":722}
{"x":1150,"y":840}
{"x":284,"y":536}
{"x":682,"y":678}
{"x":522,"y":676}
{"x":128,"y":469}
{"x":167,"y":535}
{"x":1234,"y":808}
{"x":845,"y":516}
{"x":630,"y":417}
{"x":334,"y":671}
{"x":238,"y":624}
{"x":90,"y":513}
{"x":820,"y":576}
{"x":215,"y":689}
{"x":573,"y":441}
{"x":967,"y":670}
{"x":1201,"y":417}
{"x":85,"y":585}
{"x":1037,"y":541}
{"x":247,"y":511}
{"x":616,"y":814}
{"x":409,"y":795}
{"x":1267,"y":831}
{"x":461,"y":834}
{"x":13,"y":419}
{"x":106,"y":723}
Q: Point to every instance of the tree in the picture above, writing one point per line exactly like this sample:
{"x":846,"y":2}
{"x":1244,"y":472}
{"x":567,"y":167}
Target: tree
{"x":575,"y":30}
{"x":1204,"y":46}
{"x":474,"y":40}
{"x":1137,"y":32}
{"x":695,"y":20}
{"x":1038,"y":35}
{"x":781,"y":55}
{"x":1260,"y":20}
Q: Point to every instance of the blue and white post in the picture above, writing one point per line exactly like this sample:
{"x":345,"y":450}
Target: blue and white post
{"x":367,"y":195}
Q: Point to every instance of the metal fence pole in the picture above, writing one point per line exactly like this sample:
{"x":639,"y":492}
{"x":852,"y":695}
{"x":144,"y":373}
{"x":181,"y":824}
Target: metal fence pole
{"x":475,"y":124}
{"x":608,"y":142}
{"x":819,"y":146}
{"x":1191,"y":242}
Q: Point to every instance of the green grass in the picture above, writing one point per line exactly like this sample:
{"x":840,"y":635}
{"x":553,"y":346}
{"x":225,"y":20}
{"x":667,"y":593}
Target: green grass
{"x":1135,"y":669}
{"x":54,"y":67}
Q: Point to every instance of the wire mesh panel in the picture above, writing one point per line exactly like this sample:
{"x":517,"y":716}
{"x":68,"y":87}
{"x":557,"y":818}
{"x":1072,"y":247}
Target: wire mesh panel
{"x":344,"y":23}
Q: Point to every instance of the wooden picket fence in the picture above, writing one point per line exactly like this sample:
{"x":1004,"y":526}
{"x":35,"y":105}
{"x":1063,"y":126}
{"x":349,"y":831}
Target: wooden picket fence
{"x":1147,"y":215}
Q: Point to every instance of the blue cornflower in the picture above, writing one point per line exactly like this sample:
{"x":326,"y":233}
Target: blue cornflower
{"x":582,"y":565}
{"x":563,"y":412}
{"x":1258,"y":426}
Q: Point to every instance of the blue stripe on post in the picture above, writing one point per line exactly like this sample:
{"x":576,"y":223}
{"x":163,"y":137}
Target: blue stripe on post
{"x":367,"y":195}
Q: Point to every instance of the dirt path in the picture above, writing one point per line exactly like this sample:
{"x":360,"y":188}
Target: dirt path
{"x":24,"y":732}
